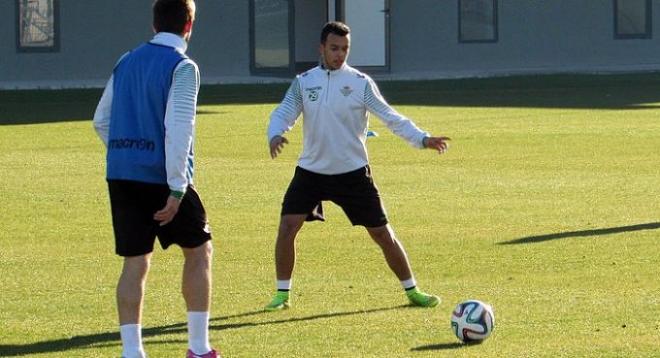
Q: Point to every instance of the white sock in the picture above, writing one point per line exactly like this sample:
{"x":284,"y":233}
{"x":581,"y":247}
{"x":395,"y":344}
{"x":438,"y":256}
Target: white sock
{"x":409,"y":283}
{"x":284,"y":285}
{"x":198,"y":332}
{"x":131,"y":341}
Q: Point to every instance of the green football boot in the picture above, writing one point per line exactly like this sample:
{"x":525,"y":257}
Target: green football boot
{"x":279,"y":302}
{"x":421,"y":299}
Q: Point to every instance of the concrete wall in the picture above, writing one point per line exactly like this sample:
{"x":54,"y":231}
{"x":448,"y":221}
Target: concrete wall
{"x":221,"y":39}
{"x":94,"y":34}
{"x":534,"y":36}
{"x":310,"y":16}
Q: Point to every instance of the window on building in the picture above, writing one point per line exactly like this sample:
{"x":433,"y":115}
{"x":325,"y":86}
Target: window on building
{"x":37,"y":25}
{"x":477,"y":20}
{"x":632,"y":19}
{"x":271,"y":42}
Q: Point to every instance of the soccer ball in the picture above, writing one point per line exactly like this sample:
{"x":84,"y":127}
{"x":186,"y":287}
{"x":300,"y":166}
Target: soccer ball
{"x":472,"y":321}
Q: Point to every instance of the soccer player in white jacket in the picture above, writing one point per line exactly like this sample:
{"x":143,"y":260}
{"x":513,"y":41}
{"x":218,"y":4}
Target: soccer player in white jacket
{"x":334,"y":100}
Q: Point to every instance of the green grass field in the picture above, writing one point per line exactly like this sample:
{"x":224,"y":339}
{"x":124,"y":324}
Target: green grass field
{"x":547,"y":206}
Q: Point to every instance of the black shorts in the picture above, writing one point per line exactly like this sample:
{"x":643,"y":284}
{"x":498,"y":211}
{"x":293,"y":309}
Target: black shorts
{"x":133,"y":205}
{"x":355,"y":192}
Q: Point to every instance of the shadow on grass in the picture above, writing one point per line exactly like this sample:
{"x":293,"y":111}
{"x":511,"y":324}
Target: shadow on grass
{"x":112,"y":338}
{"x":300,"y":319}
{"x":616,"y":92}
{"x":438,"y":347}
{"x":582,"y":233}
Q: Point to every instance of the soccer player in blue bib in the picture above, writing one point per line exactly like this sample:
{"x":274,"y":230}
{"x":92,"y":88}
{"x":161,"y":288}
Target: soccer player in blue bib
{"x":146,"y":119}
{"x":334,"y":100}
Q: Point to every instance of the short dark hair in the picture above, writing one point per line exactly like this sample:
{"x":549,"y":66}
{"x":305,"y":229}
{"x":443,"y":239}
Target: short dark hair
{"x":172,"y":15}
{"x":334,"y":27}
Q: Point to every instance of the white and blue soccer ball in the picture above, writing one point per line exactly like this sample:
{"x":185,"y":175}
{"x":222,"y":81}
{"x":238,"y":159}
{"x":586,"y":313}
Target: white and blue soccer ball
{"x":473,"y":321}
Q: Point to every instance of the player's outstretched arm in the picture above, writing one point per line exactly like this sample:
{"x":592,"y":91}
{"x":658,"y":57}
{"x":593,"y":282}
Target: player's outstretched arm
{"x":438,"y":143}
{"x":276,"y":145}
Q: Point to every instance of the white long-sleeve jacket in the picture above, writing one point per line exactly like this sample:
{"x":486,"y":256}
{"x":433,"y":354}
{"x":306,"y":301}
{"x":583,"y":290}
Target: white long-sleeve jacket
{"x":335,"y":106}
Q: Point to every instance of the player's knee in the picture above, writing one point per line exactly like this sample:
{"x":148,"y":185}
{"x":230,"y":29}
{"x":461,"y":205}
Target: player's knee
{"x":200,"y":255}
{"x":207,"y":250}
{"x":136,"y":267}
{"x":288,"y":229}
{"x":383,"y":237}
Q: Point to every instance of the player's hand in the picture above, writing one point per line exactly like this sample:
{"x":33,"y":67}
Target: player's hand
{"x":438,"y":143}
{"x":166,"y":214}
{"x":276,"y":145}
